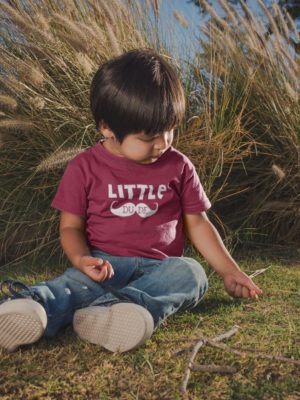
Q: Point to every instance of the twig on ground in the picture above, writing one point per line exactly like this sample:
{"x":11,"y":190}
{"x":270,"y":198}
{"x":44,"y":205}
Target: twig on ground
{"x":219,"y":369}
{"x":225,"y":335}
{"x":215,"y":342}
{"x":252,"y":352}
{"x":196,"y":348}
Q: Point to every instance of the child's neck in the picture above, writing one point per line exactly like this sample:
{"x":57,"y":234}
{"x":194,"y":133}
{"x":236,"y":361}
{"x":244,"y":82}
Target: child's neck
{"x":110,"y":146}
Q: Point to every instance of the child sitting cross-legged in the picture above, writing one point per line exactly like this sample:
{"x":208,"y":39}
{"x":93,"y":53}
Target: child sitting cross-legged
{"x":125,"y":205}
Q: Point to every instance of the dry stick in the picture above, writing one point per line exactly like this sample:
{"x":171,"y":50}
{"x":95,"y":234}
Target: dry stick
{"x":255,"y":273}
{"x":190,"y":366}
{"x":253,"y":353}
{"x":219,"y":369}
{"x":213,"y":341}
{"x":258,"y":272}
{"x":196,"y":348}
{"x":226,"y":335}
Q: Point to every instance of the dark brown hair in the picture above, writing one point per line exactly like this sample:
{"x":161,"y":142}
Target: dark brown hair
{"x":138,"y":91}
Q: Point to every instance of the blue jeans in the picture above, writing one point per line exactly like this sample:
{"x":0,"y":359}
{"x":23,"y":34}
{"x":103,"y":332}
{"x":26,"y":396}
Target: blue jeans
{"x":161,"y":286}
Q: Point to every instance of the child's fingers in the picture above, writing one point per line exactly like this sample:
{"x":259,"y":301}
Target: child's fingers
{"x":245,"y":292}
{"x":99,"y":262}
{"x":247,"y":282}
{"x":107,"y":265}
{"x":250,"y":291}
{"x":107,"y":269}
{"x":101,"y":275}
{"x":238,"y":290}
{"x":91,"y":261}
{"x":110,"y":270}
{"x":96,"y":261}
{"x":231,"y":288}
{"x":253,"y":294}
{"x":254,"y":288}
{"x":102,"y":269}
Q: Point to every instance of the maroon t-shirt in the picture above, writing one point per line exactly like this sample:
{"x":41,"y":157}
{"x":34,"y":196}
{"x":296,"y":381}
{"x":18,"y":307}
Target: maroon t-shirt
{"x":132,"y":209}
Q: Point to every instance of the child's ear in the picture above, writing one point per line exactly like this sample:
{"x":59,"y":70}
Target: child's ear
{"x":106,"y":131}
{"x":103,"y":125}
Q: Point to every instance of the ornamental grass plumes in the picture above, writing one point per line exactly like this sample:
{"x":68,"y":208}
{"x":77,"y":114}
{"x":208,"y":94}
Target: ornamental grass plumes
{"x":7,"y":103}
{"x":16,"y":125}
{"x":180,"y":18}
{"x":248,"y":72}
{"x":242,"y":120}
{"x":58,"y":159}
{"x":49,"y":52}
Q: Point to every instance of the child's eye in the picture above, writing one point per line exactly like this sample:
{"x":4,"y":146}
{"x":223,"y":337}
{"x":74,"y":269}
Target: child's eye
{"x":147,"y":140}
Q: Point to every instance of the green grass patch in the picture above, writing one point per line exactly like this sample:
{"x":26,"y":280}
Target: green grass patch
{"x":67,"y":368}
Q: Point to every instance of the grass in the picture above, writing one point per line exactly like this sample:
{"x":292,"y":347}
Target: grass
{"x":66,"y":368}
{"x":242,"y":133}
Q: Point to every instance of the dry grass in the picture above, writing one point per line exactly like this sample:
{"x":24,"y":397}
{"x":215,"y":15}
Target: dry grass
{"x":243,"y":131}
{"x":49,"y":52}
{"x":66,"y":368}
{"x":241,"y":128}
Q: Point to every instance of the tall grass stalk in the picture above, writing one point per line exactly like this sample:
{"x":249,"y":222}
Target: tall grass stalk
{"x":248,"y":75}
{"x":241,"y":128}
{"x":49,"y":52}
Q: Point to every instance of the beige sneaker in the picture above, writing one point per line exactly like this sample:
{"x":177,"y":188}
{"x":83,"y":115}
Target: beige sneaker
{"x":118,"y":328}
{"x":22,"y":321}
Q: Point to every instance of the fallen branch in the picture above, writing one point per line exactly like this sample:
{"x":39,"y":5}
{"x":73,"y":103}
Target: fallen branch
{"x":195,"y":350}
{"x":225,"y":335}
{"x":215,"y":342}
{"x":219,"y":369}
{"x":252,"y":353}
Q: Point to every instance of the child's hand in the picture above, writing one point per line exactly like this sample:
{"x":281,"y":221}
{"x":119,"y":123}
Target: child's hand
{"x":97,"y":269}
{"x":239,"y":284}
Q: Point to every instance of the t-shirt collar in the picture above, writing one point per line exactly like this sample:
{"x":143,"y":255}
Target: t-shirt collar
{"x":123,"y":162}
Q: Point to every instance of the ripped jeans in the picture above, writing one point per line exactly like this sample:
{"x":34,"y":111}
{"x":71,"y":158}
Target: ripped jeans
{"x":161,"y":286}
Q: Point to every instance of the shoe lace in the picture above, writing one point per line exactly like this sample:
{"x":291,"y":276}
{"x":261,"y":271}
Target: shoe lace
{"x":11,"y":289}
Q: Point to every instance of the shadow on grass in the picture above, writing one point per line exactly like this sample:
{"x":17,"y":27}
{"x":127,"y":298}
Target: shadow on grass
{"x":215,"y":305}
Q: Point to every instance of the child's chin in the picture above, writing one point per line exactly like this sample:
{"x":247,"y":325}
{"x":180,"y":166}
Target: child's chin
{"x":149,"y":160}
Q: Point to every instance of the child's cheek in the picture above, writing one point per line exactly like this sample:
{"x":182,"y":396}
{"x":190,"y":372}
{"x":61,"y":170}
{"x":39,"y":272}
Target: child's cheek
{"x":140,"y":150}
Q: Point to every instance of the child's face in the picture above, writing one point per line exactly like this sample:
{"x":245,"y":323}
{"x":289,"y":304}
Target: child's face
{"x":138,"y":146}
{"x":144,"y":149}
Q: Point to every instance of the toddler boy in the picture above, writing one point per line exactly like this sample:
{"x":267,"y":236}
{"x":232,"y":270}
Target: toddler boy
{"x":126,"y":205}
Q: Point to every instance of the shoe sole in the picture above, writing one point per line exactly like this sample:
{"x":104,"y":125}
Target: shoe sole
{"x":22,"y":321}
{"x":118,"y":328}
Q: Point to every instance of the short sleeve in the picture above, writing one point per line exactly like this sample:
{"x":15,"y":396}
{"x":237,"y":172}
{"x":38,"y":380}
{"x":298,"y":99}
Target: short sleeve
{"x":193,"y":196}
{"x":71,"y":193}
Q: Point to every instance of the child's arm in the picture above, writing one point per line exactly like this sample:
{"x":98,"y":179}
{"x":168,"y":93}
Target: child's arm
{"x":73,"y":242}
{"x":208,"y":242}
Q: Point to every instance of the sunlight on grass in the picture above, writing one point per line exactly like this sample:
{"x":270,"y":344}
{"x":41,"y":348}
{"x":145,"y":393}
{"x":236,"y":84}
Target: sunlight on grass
{"x":65,"y":367}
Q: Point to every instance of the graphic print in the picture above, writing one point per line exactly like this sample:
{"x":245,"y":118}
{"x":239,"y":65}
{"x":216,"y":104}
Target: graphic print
{"x":128,"y":209}
{"x":140,"y":192}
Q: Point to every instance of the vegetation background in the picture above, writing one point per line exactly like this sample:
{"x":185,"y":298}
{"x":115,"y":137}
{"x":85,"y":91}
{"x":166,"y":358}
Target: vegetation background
{"x":241,"y":130}
{"x":242,"y":120}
